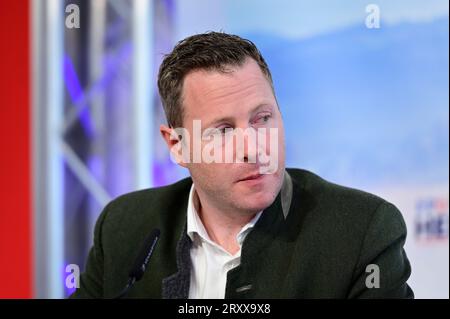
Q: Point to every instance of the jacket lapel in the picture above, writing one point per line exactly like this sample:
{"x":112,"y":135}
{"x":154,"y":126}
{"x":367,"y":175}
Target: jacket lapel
{"x":177,"y":285}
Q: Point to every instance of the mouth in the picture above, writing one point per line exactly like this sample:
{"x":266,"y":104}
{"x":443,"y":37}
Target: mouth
{"x":252,"y":177}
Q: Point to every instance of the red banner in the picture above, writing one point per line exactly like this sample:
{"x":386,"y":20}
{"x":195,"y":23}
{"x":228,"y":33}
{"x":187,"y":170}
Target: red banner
{"x":15,"y":170}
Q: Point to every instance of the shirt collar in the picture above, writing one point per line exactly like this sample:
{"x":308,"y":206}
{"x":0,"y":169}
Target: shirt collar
{"x":195,"y":225}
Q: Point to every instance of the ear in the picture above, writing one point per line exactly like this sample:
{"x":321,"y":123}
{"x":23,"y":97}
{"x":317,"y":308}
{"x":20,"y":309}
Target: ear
{"x":174,"y":143}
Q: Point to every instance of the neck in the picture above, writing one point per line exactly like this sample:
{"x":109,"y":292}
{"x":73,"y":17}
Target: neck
{"x":221,"y":225}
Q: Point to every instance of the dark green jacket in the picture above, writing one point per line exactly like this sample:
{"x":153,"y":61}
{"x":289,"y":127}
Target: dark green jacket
{"x":321,"y":249}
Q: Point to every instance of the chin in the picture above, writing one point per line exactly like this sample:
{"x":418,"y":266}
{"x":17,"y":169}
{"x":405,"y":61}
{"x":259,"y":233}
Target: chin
{"x":257,"y":203}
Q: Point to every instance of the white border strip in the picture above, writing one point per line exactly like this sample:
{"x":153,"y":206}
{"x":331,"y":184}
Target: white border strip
{"x":143,"y":92}
{"x":55,"y":166}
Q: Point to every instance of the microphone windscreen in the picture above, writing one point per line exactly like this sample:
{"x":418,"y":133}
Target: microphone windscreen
{"x":142,"y":259}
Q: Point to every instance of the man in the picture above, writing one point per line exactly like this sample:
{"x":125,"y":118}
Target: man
{"x":246,"y":228}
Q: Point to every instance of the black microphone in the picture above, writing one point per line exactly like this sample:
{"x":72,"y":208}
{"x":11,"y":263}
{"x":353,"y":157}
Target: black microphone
{"x":141,"y":262}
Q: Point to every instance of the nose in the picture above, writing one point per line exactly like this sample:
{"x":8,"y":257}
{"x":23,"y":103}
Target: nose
{"x":246,"y":145}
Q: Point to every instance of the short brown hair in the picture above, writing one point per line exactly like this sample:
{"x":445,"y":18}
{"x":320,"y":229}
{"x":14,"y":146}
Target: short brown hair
{"x":209,"y":51}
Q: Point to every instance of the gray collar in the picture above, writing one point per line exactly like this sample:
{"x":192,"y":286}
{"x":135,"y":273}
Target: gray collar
{"x":286,"y":194}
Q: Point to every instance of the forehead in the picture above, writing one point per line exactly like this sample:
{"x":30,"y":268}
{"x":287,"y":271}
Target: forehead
{"x":213,"y":92}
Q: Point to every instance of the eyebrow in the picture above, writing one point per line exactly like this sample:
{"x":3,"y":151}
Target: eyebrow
{"x":228,"y":118}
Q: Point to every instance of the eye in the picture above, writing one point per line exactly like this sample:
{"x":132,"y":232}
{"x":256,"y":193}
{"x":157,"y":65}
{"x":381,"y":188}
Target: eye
{"x":263,"y":119}
{"x":224,"y":129}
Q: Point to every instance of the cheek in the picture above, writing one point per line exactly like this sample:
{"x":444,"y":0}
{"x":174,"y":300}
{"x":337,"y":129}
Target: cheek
{"x":214,"y":176}
{"x":281,"y":139}
{"x":281,"y":148}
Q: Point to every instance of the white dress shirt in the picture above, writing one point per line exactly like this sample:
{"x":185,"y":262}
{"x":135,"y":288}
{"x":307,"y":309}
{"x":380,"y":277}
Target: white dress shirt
{"x":210,"y":262}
